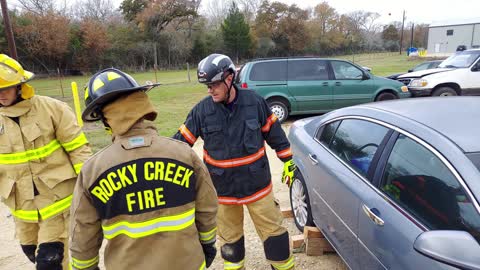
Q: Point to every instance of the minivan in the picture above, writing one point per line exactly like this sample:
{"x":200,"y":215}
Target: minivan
{"x":308,"y":85}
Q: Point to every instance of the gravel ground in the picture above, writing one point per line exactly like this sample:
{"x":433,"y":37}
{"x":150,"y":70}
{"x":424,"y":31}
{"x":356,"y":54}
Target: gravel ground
{"x":12,"y":257}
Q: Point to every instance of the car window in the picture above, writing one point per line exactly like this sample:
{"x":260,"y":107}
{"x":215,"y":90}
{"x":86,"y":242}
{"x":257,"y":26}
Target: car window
{"x":356,"y":142}
{"x":269,"y":71}
{"x":422,"y":66}
{"x":421,"y":183}
{"x":325,"y":135}
{"x":307,"y":70}
{"x":242,"y":73}
{"x":346,"y":71}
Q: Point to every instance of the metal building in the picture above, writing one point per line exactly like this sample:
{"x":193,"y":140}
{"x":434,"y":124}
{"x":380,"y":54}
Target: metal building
{"x":444,"y":37}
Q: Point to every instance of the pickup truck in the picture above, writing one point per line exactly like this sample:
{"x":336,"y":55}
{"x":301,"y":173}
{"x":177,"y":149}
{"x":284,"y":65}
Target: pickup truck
{"x":458,"y":75}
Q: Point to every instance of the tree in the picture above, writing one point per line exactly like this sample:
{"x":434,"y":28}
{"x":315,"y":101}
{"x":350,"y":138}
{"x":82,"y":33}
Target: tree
{"x":390,"y":37}
{"x":131,"y":8}
{"x":98,"y":10}
{"x":236,"y":33}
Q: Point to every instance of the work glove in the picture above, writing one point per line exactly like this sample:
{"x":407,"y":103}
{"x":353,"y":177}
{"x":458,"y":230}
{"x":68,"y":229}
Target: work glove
{"x":29,"y":250}
{"x":210,"y":252}
{"x":289,"y":169}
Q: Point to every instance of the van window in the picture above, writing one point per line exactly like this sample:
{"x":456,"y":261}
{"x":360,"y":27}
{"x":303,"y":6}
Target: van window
{"x":307,"y":70}
{"x":269,"y":71}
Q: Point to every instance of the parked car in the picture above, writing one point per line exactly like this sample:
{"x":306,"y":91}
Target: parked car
{"x":393,"y":185}
{"x":422,"y":66}
{"x":457,"y":75}
{"x":314,"y":85}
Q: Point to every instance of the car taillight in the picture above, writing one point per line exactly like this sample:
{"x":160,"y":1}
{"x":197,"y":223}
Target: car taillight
{"x":244,"y":85}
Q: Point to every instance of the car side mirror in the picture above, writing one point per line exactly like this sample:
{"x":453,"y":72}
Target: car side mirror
{"x":455,"y":248}
{"x":410,"y":70}
{"x":476,"y":67}
{"x":366,"y":76}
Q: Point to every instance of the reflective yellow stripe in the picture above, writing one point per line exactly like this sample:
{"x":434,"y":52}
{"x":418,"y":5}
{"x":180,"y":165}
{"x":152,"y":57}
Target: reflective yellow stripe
{"x":79,"y":264}
{"x":56,"y":208}
{"x":112,"y":76}
{"x":97,"y":83}
{"x":284,"y":266}
{"x":75,"y":143}
{"x":203,"y":266}
{"x":77,"y":167}
{"x":45,"y":213}
{"x":23,"y":157}
{"x":27,"y":215}
{"x":142,"y":229}
{"x":232,"y":266}
{"x":208,"y":237}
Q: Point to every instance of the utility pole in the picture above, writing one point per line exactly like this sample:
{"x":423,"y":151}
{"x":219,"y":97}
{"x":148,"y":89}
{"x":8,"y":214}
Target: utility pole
{"x":8,"y":30}
{"x":411,"y":35}
{"x":401,"y":34}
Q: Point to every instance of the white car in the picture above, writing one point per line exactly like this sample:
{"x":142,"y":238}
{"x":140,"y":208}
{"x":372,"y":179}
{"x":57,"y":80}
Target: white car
{"x":457,"y":75}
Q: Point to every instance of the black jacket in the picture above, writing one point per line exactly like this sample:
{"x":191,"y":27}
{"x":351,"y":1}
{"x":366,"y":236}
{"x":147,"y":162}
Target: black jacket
{"x":234,"y":145}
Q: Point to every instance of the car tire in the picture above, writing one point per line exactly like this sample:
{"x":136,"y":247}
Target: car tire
{"x":444,"y":92}
{"x":386,"y":96}
{"x":280,"y":109}
{"x":300,"y":203}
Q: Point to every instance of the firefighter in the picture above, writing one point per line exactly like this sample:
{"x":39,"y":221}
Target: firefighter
{"x":151,"y":197}
{"x":234,"y":125}
{"x":42,"y":149}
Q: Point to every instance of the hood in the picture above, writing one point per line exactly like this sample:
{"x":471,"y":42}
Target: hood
{"x":422,"y":73}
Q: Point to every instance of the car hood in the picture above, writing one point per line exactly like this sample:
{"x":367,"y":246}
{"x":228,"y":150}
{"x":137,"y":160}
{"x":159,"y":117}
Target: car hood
{"x":422,"y":73}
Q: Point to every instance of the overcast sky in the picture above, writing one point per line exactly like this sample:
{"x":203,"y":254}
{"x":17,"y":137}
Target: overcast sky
{"x":417,"y":11}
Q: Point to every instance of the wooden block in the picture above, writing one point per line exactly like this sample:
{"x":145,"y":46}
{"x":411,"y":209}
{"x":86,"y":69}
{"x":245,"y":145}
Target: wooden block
{"x":317,"y":246}
{"x":287,"y":212}
{"x":296,"y":241}
{"x":312,"y":232}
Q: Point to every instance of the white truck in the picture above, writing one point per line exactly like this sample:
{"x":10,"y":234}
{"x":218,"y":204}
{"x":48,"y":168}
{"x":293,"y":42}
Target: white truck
{"x":458,"y":75}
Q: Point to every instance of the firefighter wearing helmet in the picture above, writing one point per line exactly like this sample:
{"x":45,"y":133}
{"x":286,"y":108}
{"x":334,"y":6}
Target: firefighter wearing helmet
{"x":234,"y":125}
{"x":151,"y":197}
{"x":42,"y":149}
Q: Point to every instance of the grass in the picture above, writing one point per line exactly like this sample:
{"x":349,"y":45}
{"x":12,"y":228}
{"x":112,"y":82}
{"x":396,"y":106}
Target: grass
{"x":176,"y":96}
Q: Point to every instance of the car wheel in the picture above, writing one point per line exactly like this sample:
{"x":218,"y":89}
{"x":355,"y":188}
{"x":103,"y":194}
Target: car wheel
{"x":280,"y":109}
{"x":386,"y":96}
{"x":444,"y":92}
{"x":300,"y":203}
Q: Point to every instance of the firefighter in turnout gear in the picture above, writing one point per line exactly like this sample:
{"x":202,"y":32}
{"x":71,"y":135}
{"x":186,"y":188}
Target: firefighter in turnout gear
{"x":234,"y":125}
{"x":151,"y":197}
{"x":42,"y":149}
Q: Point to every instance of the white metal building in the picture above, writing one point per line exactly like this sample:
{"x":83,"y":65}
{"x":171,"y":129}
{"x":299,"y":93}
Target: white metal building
{"x":444,"y":37}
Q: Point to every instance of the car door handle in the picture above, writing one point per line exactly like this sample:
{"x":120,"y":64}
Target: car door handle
{"x":325,"y":83}
{"x":338,"y":83}
{"x":313,"y":158}
{"x":377,"y":220}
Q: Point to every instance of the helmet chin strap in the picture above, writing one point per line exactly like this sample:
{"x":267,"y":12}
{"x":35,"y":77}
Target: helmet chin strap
{"x":225,"y":102}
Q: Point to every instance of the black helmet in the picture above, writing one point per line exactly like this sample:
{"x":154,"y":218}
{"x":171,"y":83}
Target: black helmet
{"x":104,"y":87}
{"x":214,"y":67}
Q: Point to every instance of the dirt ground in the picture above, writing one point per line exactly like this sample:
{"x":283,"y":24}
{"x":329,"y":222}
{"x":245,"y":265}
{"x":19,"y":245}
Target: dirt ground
{"x":12,"y":257}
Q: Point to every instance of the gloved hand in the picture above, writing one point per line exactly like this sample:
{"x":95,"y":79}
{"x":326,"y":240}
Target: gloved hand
{"x":210,"y":252}
{"x":289,"y":168}
{"x":29,"y":250}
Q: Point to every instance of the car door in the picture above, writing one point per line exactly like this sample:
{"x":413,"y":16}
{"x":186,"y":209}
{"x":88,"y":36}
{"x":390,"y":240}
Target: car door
{"x":346,"y":149}
{"x":416,"y":192}
{"x":350,"y":86}
{"x":472,"y":78}
{"x":309,"y":84}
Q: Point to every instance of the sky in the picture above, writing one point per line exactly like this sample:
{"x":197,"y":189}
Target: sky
{"x":416,"y":11}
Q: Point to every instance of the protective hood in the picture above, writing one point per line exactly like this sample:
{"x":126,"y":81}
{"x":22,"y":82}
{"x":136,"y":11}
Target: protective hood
{"x":127,"y":110}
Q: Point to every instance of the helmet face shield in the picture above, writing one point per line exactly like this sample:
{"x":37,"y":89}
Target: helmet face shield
{"x":8,"y":74}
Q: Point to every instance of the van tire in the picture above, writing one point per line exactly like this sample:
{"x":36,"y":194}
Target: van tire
{"x":386,"y":96}
{"x":279,"y":108}
{"x":444,"y":91}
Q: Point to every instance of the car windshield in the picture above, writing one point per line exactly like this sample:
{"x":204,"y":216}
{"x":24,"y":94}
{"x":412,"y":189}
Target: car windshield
{"x":460,"y":59}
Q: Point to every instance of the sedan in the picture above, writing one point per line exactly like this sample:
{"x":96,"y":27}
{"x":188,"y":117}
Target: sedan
{"x":393,"y":184}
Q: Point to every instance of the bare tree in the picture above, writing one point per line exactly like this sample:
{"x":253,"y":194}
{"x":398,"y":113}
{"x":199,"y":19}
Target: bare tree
{"x":99,"y":10}
{"x":249,"y":8}
{"x":39,"y":7}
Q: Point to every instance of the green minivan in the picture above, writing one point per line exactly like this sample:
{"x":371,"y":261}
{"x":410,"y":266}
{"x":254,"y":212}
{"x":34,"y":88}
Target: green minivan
{"x":306,"y":85}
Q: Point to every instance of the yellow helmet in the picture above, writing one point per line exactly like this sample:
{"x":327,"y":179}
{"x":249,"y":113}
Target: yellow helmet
{"x":13,"y":74}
